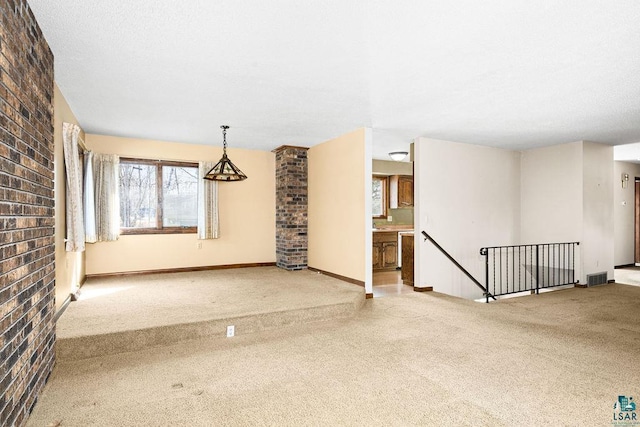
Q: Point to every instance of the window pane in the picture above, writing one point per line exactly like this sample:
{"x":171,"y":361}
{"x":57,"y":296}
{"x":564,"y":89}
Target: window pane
{"x":138,"y":196}
{"x":179,"y":196}
{"x":378,"y":199}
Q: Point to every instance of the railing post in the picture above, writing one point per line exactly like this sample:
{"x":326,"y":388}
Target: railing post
{"x":573,"y":262}
{"x":485,"y":252}
{"x":537,"y":269}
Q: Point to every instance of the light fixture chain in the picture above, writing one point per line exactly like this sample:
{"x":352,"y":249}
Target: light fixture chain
{"x":224,"y":138}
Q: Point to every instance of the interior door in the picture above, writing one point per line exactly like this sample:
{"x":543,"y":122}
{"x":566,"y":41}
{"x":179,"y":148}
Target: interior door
{"x":637,"y":223}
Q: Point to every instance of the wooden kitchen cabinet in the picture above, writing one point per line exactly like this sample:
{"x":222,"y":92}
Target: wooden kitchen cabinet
{"x":400,"y":191}
{"x":377,"y":256}
{"x":385,"y":250}
{"x":407,"y":259}
{"x":405,"y":191}
{"x":390,"y":255}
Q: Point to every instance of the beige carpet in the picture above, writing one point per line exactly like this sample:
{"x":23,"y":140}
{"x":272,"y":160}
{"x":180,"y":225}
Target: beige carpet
{"x":119,"y":314}
{"x":559,"y":358}
{"x":170,"y":298}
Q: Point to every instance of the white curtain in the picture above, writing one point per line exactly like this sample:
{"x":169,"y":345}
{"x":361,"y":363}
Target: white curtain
{"x":208,"y":226}
{"x":74,"y":214}
{"x":106,"y":197}
{"x":89,"y":200}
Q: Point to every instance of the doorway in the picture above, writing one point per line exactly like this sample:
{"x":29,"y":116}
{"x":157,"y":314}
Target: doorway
{"x":637,"y":223}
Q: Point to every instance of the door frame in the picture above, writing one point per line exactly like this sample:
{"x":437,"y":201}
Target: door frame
{"x":636,"y":215}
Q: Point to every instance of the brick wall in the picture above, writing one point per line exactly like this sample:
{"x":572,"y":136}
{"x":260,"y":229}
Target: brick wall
{"x":27,"y":333}
{"x":291,"y":207}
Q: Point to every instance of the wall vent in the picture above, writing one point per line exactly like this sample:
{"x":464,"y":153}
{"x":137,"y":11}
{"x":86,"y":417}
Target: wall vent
{"x":597,"y":279}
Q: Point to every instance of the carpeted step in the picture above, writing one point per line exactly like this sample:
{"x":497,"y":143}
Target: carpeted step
{"x":83,"y":347}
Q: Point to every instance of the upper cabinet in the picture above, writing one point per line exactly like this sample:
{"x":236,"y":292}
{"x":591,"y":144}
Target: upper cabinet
{"x":405,"y":191}
{"x":400,"y":191}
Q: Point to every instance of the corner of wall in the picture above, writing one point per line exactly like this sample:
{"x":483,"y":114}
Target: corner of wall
{"x":337,"y":224}
{"x":624,"y":212}
{"x":70,"y":266}
{"x":468,"y":197}
{"x":597,"y":246}
{"x":27,"y":218}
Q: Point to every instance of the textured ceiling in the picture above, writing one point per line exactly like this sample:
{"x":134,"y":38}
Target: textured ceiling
{"x":511,"y":73}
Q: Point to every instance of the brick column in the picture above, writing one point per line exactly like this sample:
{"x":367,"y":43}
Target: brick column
{"x":291,"y":207}
{"x":27,"y":276}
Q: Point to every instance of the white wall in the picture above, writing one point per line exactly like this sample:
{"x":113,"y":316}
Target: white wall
{"x":567,"y":195}
{"x":623,"y":213}
{"x":551,"y":198}
{"x":597,"y":237}
{"x":471,"y":196}
{"x":468,"y":197}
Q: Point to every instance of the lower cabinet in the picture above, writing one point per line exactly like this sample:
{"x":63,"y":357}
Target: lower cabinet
{"x":385,"y":250}
{"x":407,"y":259}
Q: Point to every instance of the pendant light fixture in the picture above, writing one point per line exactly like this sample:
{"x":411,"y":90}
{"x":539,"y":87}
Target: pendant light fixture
{"x":225,"y":170}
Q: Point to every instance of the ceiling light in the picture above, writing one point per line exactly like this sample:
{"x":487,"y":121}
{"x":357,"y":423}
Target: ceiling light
{"x":398,"y":156}
{"x":225,"y":170}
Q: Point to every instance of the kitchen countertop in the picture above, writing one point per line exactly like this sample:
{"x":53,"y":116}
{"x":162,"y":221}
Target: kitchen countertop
{"x":394,"y":228}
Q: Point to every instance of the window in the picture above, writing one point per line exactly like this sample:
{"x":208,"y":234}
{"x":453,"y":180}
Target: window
{"x":158,"y":196}
{"x":379,"y":204}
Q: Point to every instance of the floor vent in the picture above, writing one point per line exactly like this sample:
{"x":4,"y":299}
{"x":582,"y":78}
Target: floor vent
{"x":597,"y":279}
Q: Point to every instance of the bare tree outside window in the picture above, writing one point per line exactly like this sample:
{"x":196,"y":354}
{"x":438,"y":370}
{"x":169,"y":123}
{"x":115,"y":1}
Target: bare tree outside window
{"x":138,"y":195}
{"x":179,"y":196}
{"x":158,"y":196}
{"x":379,"y":198}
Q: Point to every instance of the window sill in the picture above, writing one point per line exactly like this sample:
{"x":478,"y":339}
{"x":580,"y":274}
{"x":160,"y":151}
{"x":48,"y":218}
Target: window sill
{"x":135,"y":231}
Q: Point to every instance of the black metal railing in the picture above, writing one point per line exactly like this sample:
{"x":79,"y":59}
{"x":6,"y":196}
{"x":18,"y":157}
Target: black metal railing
{"x":457,"y":264}
{"x":521,"y":268}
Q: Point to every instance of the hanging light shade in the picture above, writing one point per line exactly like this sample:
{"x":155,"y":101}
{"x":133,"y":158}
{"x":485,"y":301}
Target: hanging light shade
{"x":225,"y":170}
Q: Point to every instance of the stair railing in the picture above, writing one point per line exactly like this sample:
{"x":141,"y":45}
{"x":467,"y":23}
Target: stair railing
{"x":485,"y":292}
{"x":529,"y":268}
